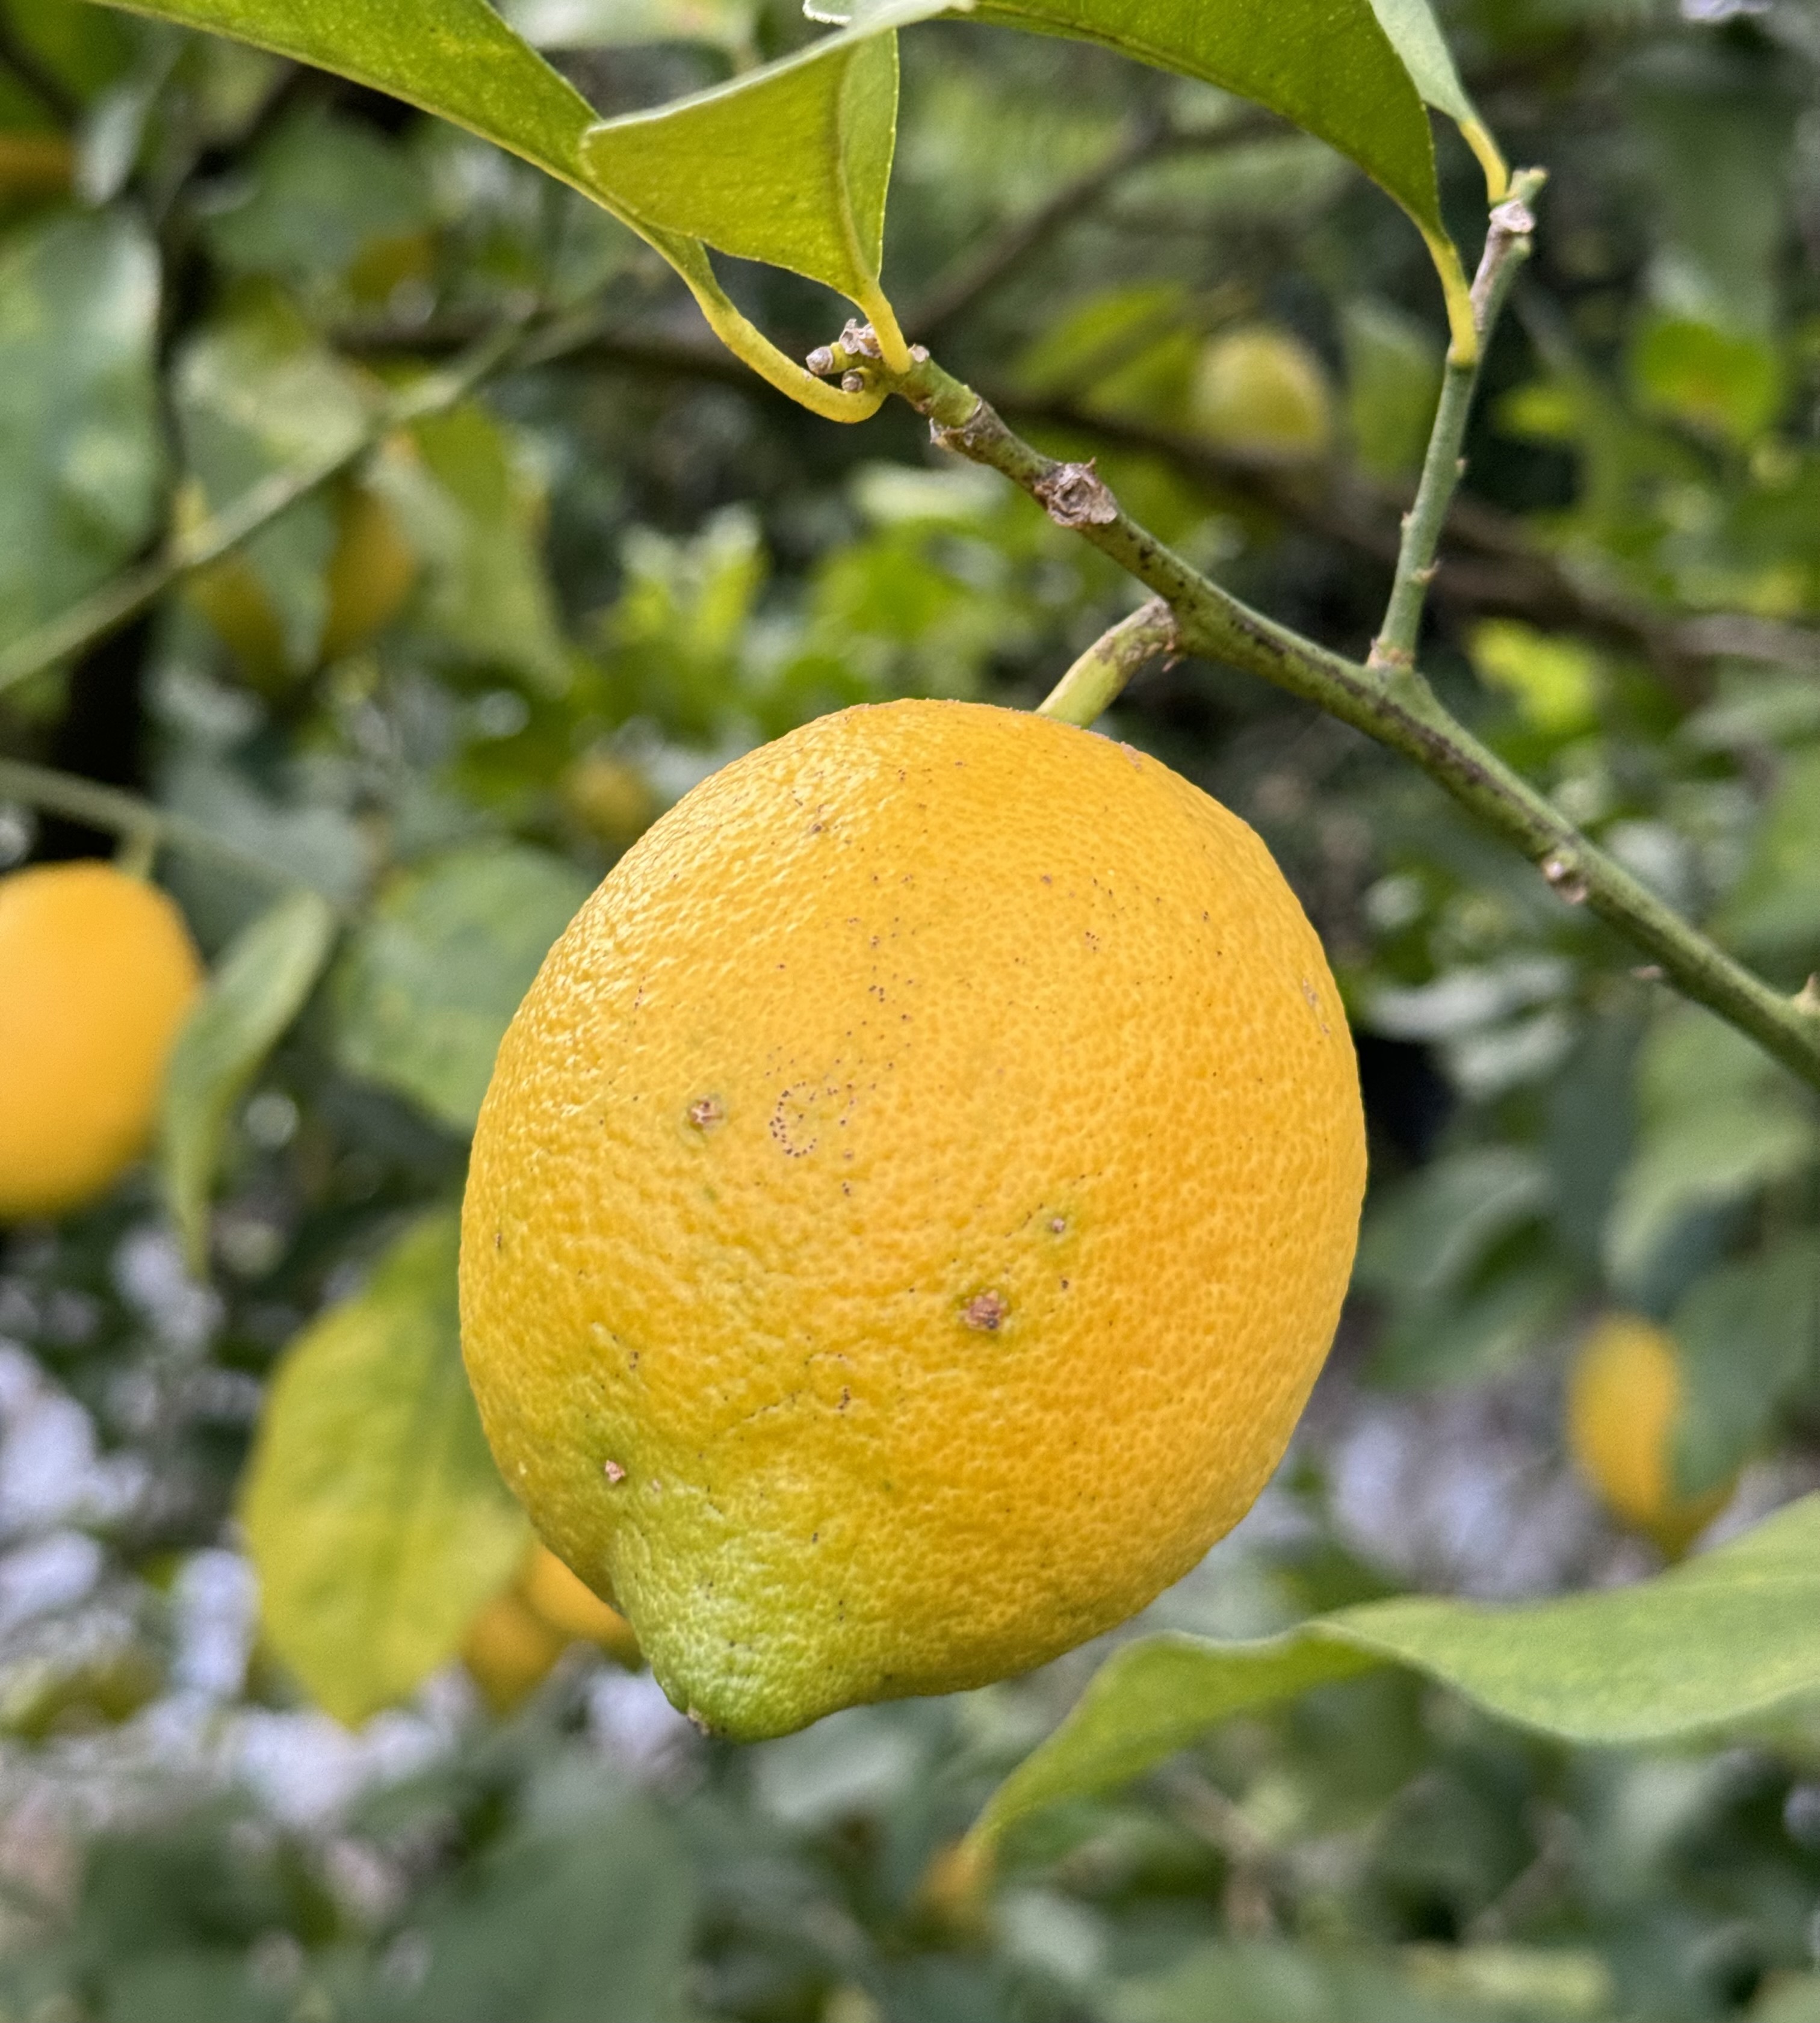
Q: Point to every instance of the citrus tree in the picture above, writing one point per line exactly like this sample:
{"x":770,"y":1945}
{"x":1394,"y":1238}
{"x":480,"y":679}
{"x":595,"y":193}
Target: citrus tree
{"x":297,"y":378}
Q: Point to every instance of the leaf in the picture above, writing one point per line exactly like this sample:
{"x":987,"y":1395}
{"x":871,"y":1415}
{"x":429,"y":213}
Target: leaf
{"x":376,"y":1520}
{"x":595,"y":24}
{"x":589,"y":1916}
{"x":257,"y":987}
{"x":431,"y":980}
{"x":79,"y":440}
{"x":256,"y":394}
{"x":1747,"y":1333}
{"x":1723,"y":1639}
{"x":1328,"y":67}
{"x":1718,"y":1122}
{"x":1417,"y":37}
{"x":454,"y":58}
{"x":471,"y":507}
{"x":789,"y":165}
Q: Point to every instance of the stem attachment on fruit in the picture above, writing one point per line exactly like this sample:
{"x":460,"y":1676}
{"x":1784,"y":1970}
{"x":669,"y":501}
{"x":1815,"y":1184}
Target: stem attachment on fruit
{"x":1398,"y":709}
{"x":1507,"y":245}
{"x":1095,"y":682}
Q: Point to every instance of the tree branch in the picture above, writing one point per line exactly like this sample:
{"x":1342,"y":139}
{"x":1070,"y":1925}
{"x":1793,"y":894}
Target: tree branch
{"x":141,"y":822}
{"x":1507,"y":247}
{"x":1095,"y":682}
{"x":115,"y":603}
{"x":1395,"y":707}
{"x":959,"y":286}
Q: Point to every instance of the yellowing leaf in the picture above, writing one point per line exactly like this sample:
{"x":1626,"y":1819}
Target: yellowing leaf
{"x":377,"y":1522}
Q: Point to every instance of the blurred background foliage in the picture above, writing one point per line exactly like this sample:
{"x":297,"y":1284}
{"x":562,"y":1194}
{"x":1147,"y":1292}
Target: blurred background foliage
{"x":444,"y":691}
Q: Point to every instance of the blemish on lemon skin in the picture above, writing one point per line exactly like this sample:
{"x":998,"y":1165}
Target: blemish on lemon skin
{"x":613,"y":1473}
{"x":706,"y":1111}
{"x":1058,"y":1226}
{"x":987,"y":1311}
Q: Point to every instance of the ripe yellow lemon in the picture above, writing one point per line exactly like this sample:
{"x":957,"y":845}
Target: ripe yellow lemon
{"x":1622,"y":1402}
{"x":97,"y":972}
{"x":911,"y":1206}
{"x":1263,"y":392}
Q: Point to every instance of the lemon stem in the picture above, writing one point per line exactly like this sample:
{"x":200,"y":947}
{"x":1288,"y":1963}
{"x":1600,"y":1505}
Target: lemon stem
{"x":1397,"y":707}
{"x":1097,"y":678}
{"x":1508,"y":244}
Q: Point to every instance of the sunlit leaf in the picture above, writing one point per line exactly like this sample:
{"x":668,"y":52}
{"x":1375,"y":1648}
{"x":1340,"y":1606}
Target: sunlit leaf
{"x":433,"y":976}
{"x":79,"y":441}
{"x":454,"y":57}
{"x":789,"y":165}
{"x":1730,"y":1637}
{"x":258,"y":986}
{"x":377,"y":1522}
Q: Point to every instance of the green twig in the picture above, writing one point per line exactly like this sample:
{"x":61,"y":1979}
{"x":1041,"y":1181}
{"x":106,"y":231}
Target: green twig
{"x":144,"y":826}
{"x":1507,"y":248}
{"x":1396,"y":707}
{"x":1095,"y":682}
{"x":87,"y":623}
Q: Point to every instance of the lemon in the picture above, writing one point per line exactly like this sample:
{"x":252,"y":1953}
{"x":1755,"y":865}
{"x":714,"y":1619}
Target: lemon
{"x":1262,"y":392}
{"x":610,"y":798}
{"x":911,"y":1208}
{"x":513,"y":1643}
{"x":97,"y":973}
{"x":1622,"y":1400}
{"x":371,"y":573}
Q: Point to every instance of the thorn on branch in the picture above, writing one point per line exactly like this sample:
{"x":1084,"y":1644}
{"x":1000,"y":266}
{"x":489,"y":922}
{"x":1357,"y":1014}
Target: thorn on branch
{"x":1566,"y":877}
{"x":1073,"y":494}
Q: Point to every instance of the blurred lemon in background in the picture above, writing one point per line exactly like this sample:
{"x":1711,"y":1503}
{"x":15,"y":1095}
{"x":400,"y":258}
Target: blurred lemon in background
{"x":1622,"y":1400}
{"x":97,"y":974}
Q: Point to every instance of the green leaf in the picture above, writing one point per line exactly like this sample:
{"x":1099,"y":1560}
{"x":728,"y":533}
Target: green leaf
{"x":596,"y":24}
{"x":79,"y":440}
{"x":470,"y":506}
{"x":431,"y":980}
{"x":1326,"y":65}
{"x":1747,"y":1333}
{"x":589,"y":1915}
{"x":1718,"y":1122}
{"x":257,"y":987}
{"x":454,"y":58}
{"x":1723,"y":1639}
{"x":256,"y":394}
{"x":377,"y":1522}
{"x":1417,"y":37}
{"x":789,"y":165}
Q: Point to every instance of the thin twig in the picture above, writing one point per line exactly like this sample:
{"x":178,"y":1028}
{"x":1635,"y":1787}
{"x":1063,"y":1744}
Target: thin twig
{"x":123,"y":814}
{"x":39,"y":78}
{"x":975,"y":273}
{"x":85,"y":624}
{"x":1507,"y":247}
{"x":1097,"y":678}
{"x":1397,"y":709}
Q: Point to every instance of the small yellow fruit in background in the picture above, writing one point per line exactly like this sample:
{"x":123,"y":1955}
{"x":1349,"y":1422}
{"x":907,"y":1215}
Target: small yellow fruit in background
{"x":35,"y":165}
{"x":372,"y":571}
{"x":97,"y":974}
{"x":513,"y":1643}
{"x":509,"y":1651}
{"x":910,"y":1208}
{"x":610,"y":797}
{"x":1623,"y":1399}
{"x":1263,"y":392}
